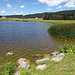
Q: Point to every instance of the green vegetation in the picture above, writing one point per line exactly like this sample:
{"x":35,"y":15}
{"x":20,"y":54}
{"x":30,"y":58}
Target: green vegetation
{"x":7,"y":68}
{"x":63,"y":67}
{"x":67,"y":48}
{"x":40,"y":15}
{"x":51,"y":16}
{"x":63,"y":30}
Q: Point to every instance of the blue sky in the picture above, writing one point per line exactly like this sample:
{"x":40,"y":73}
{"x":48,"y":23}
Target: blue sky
{"x":17,"y":7}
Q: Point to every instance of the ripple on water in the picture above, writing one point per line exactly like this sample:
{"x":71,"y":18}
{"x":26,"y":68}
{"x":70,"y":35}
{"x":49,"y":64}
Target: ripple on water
{"x":25,"y":39}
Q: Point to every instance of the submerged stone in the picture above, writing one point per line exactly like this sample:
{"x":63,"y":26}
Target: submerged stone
{"x":9,"y":53}
{"x":23,"y":63}
{"x":55,"y":53}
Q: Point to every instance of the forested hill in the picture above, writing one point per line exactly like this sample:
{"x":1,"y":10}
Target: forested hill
{"x":40,"y":15}
{"x":14,"y":16}
{"x":66,"y":12}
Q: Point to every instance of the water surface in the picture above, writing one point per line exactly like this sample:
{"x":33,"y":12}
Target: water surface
{"x":26,"y":39}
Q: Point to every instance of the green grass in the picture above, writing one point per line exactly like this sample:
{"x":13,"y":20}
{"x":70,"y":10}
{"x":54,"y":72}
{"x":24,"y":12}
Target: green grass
{"x":66,"y":30}
{"x":63,"y":67}
{"x":67,"y":48}
{"x":40,"y":20}
{"x":7,"y":68}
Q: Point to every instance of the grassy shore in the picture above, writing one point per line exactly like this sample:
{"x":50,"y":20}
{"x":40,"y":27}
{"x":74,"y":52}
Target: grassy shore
{"x":63,"y":67}
{"x":63,"y":30}
{"x":40,"y":20}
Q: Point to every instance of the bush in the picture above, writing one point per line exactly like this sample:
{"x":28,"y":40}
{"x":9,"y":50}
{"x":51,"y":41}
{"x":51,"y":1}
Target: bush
{"x":7,"y":69}
{"x":67,"y":48}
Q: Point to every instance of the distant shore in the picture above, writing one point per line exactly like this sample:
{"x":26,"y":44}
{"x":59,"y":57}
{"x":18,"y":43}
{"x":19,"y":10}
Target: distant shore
{"x":39,"y":20}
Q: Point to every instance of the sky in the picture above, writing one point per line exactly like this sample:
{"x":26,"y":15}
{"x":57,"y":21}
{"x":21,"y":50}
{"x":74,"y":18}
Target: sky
{"x":24,"y":7}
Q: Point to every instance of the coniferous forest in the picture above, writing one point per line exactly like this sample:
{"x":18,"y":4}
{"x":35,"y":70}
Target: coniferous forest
{"x":51,"y":16}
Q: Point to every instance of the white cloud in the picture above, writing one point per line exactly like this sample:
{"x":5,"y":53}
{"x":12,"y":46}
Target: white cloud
{"x":58,"y":7}
{"x":22,"y":6}
{"x":52,"y":2}
{"x":8,"y":5}
{"x":49,"y":9}
{"x":70,"y":3}
{"x":20,"y":13}
{"x":3,"y":11}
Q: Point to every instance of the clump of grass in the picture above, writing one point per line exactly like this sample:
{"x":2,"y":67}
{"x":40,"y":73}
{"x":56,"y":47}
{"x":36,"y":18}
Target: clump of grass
{"x":41,"y":63}
{"x":67,"y":48}
{"x":7,"y":68}
{"x":63,"y":30}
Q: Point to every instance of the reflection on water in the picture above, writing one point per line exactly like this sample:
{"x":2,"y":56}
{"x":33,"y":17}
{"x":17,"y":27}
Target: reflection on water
{"x":26,"y":39}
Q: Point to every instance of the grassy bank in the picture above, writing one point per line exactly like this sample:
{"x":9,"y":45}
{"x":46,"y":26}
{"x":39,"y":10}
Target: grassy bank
{"x":40,"y":20}
{"x":63,"y":30}
{"x":64,"y":67}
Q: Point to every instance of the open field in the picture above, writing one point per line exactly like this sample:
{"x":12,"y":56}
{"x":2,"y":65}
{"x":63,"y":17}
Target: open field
{"x":41,"y":20}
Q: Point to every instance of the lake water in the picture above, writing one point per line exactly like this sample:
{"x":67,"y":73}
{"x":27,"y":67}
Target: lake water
{"x":26,"y":39}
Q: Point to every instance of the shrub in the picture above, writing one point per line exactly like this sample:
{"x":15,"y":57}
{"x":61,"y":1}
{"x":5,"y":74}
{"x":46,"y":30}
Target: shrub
{"x":7,"y":69}
{"x":67,"y":48}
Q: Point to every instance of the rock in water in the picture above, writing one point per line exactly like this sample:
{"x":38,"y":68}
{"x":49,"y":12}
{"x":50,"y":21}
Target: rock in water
{"x":55,"y":53}
{"x":9,"y":53}
{"x":21,"y":60}
{"x":23,"y":64}
{"x":41,"y":67}
{"x":42,"y":60}
{"x":58,"y":57}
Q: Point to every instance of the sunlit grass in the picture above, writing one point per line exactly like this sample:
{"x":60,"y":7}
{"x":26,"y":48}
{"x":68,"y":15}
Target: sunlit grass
{"x":63,"y":67}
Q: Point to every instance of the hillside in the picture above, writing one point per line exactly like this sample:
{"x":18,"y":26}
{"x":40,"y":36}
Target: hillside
{"x":40,"y":15}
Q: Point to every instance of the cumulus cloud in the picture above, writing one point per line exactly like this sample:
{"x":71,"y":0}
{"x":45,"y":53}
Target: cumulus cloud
{"x":8,"y":5}
{"x":22,"y":6}
{"x":48,"y":9}
{"x":3,"y":11}
{"x":70,"y":3}
{"x":59,"y":7}
{"x":52,"y":2}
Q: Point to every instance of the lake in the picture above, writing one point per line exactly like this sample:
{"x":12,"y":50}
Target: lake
{"x":26,"y":39}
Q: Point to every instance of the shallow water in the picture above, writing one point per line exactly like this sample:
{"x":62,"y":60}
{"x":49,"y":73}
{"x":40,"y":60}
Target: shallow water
{"x":25,"y":39}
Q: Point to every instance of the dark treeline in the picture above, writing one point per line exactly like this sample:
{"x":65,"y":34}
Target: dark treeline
{"x":54,"y":16}
{"x":14,"y":16}
{"x":60,"y":15}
